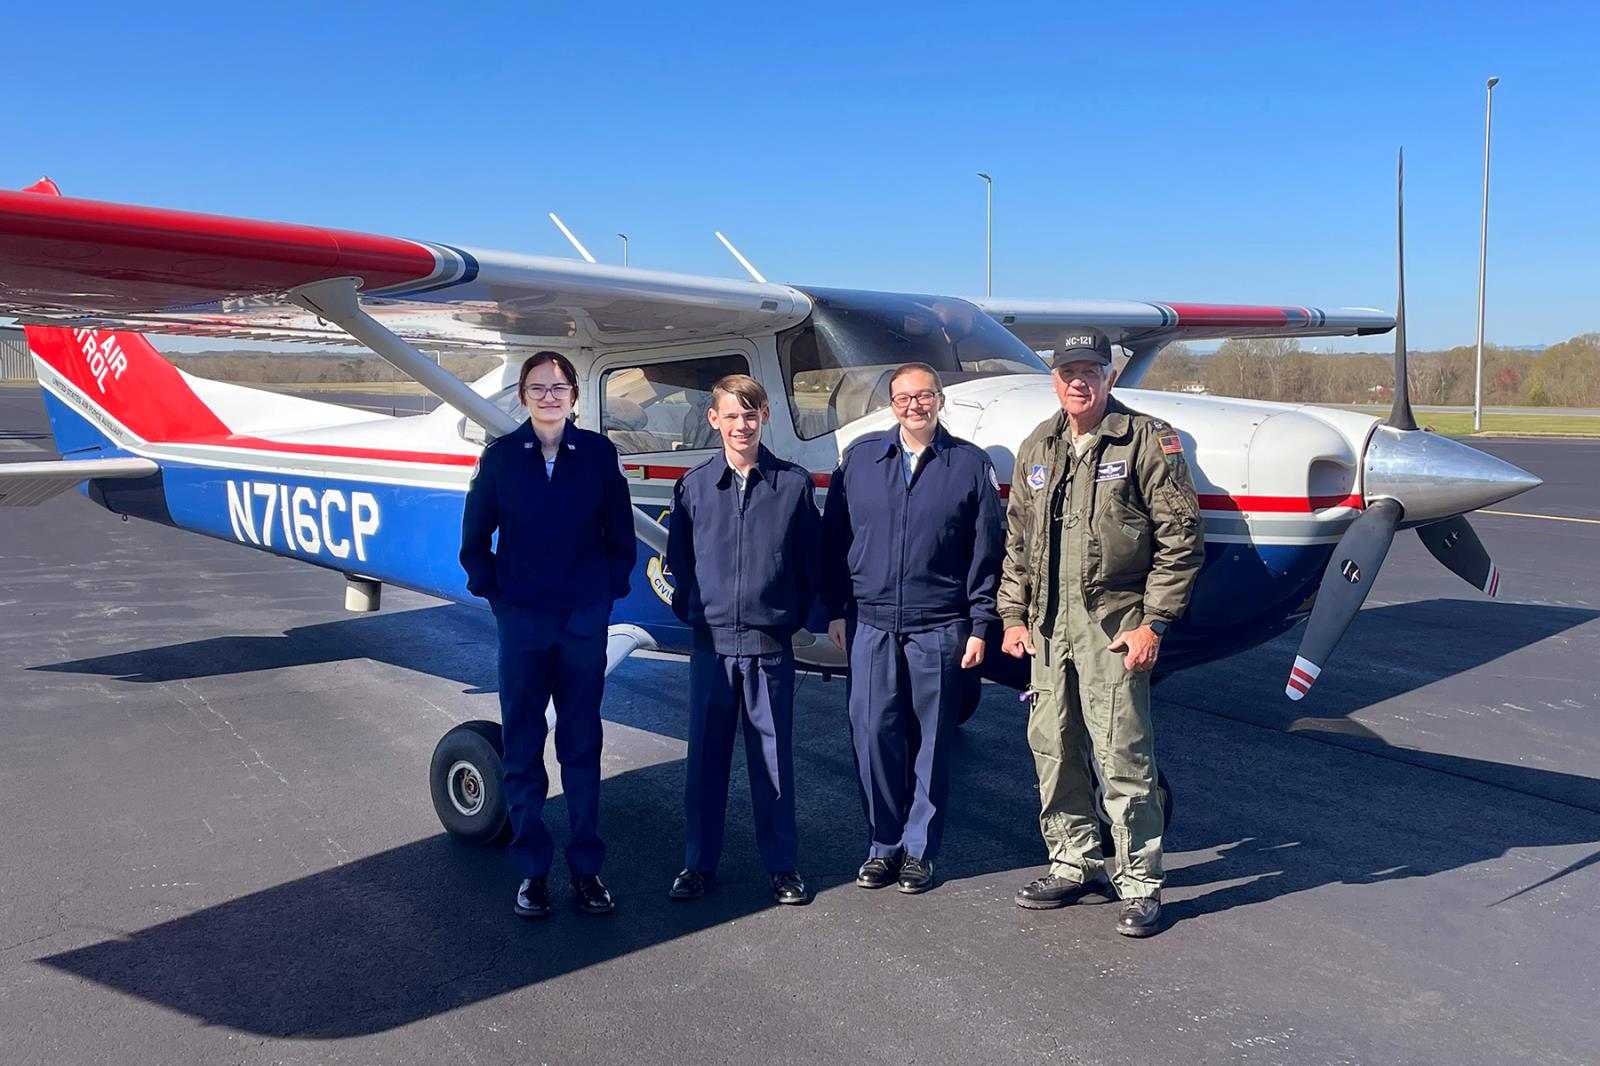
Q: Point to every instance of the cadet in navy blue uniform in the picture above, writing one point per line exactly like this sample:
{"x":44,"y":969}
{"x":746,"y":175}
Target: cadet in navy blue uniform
{"x":742,"y":547}
{"x":557,"y":497}
{"x":913,"y":539}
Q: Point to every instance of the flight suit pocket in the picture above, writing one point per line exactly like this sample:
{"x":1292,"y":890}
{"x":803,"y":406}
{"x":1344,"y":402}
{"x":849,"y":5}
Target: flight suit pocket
{"x":1125,"y":546}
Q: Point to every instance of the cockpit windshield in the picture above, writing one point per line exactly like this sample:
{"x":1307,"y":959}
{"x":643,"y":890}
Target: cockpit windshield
{"x":838,"y":361}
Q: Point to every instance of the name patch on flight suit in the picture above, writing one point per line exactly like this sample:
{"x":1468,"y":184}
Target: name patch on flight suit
{"x":1111,"y":471}
{"x":1038,"y":475}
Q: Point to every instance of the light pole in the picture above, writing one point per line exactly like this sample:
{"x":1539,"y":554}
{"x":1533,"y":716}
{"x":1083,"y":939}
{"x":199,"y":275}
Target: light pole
{"x":1483,"y":254}
{"x":624,"y":237}
{"x":988,"y":234}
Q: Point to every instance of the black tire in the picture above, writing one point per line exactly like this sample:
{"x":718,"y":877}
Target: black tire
{"x":1163,"y":790}
{"x":467,"y":780}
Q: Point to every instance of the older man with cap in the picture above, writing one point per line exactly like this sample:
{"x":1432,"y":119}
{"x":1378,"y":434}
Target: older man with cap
{"x":1103,"y":542}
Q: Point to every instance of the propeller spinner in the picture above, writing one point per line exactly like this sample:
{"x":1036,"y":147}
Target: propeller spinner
{"x":1411,"y":478}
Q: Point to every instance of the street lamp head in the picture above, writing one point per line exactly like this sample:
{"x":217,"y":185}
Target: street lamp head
{"x":985,"y":177}
{"x":1493,"y":82}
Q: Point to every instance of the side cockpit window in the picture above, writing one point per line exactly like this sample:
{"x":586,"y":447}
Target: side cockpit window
{"x":661,"y":407}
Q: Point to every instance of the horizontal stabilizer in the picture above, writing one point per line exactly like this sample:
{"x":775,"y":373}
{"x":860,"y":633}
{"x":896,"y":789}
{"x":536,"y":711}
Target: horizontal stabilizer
{"x":30,"y":484}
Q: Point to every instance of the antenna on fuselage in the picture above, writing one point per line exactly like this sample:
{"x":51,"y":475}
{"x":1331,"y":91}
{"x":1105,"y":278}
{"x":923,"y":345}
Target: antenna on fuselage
{"x":749,"y":269}
{"x":562,"y":226}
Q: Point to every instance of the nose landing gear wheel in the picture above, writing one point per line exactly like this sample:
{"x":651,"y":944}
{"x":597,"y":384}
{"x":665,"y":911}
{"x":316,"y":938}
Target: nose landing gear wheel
{"x":467,"y":781}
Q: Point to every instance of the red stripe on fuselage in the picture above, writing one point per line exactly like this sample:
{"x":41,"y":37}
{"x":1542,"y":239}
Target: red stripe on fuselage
{"x":1266,"y":504}
{"x":259,"y":444}
{"x":1277,"y":504}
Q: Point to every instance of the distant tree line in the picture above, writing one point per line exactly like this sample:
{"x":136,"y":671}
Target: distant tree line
{"x":1564,"y":375}
{"x":320,"y":368}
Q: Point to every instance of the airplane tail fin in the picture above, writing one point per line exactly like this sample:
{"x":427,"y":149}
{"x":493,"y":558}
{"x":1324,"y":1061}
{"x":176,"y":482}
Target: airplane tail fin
{"x":105,"y":389}
{"x":110,"y":387}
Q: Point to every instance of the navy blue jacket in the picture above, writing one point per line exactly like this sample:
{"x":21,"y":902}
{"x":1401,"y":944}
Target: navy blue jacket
{"x":566,"y":541}
{"x":911,"y":558}
{"x":744,"y":569}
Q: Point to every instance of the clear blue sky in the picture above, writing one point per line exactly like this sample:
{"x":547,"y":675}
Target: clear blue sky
{"x":1239,"y":152}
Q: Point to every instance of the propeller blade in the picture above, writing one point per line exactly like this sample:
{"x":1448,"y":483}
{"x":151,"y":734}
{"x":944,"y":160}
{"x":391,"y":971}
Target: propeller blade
{"x":1344,"y":589}
{"x":1454,"y":544}
{"x":1400,"y":416}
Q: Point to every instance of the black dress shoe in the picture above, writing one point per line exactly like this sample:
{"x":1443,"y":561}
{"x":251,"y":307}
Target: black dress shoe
{"x":788,"y":888}
{"x":533,"y":898}
{"x":691,"y":884}
{"x":878,"y":871}
{"x":1050,"y":891}
{"x":592,"y":896}
{"x":916,"y":875}
{"x":1140,"y":916}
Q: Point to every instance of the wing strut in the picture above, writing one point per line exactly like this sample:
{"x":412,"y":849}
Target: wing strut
{"x":1140,"y":356}
{"x":334,"y":300}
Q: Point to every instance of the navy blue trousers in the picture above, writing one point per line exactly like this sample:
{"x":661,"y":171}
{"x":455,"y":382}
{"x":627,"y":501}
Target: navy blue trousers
{"x":723,"y":691}
{"x":545,"y":655}
{"x":905,"y":698}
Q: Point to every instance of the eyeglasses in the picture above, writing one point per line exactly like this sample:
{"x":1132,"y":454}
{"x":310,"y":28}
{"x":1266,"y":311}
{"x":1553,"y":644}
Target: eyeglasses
{"x":905,"y":399}
{"x":539,"y":392}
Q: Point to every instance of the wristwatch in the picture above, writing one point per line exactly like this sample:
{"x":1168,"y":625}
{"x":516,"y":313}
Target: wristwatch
{"x":1158,"y":627}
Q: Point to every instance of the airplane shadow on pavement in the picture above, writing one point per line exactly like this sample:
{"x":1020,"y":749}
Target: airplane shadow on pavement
{"x":425,"y":928}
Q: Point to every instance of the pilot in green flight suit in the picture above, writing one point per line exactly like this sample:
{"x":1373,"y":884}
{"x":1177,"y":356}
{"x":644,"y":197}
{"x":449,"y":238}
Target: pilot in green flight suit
{"x":1103,"y":543}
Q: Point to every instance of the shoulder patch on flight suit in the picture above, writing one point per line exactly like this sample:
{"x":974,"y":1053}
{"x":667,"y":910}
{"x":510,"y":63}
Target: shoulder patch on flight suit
{"x":1038,"y":475}
{"x":1170,"y":444}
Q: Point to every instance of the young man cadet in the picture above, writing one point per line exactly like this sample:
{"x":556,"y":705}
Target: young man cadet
{"x":912,"y":541}
{"x":742,"y":546}
{"x":1103,"y":543}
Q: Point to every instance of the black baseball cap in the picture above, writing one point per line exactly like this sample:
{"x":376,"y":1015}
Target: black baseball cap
{"x":1086,"y":345}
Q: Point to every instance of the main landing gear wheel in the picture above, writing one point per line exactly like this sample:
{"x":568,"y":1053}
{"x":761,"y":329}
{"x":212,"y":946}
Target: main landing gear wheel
{"x":1163,"y":793}
{"x":467,"y":780}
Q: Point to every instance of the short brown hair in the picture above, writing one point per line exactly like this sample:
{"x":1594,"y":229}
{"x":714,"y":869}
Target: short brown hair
{"x":743,"y":387}
{"x":562,"y":364}
{"x":911,"y":368}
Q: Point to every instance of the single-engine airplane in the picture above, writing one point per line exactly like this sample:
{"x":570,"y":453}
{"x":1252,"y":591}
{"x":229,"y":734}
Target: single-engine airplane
{"x":1300,"y":503}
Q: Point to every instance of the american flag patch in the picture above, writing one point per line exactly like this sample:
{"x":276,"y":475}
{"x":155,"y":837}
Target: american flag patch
{"x":1170,"y":444}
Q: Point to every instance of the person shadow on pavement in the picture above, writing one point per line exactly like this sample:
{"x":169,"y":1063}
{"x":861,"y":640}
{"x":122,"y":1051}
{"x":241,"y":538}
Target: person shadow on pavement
{"x":427,"y":927}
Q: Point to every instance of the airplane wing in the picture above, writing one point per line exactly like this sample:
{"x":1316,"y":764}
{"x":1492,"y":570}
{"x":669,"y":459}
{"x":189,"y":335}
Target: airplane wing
{"x":72,"y":262}
{"x":30,"y":484}
{"x":1040,"y":323}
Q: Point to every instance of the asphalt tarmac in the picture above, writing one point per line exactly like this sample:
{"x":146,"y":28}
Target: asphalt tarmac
{"x":218,"y":845}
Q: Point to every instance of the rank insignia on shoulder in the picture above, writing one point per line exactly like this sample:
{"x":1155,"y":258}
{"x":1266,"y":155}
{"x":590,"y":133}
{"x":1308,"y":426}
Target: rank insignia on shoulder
{"x":1037,"y":476}
{"x":1170,"y":444}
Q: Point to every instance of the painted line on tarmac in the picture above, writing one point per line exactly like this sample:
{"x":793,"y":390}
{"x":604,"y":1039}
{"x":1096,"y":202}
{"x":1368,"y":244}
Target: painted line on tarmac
{"x":1546,"y":517}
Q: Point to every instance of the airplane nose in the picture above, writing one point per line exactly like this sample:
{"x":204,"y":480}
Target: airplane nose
{"x":1435,"y":477}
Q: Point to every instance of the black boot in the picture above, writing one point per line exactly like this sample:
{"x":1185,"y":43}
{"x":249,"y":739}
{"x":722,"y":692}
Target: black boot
{"x":592,"y":896}
{"x":1140,"y":916}
{"x":691,"y":884}
{"x":916,"y":875}
{"x":879,"y":871}
{"x":1051,"y":891}
{"x":787,"y":887}
{"x":533,"y":898}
